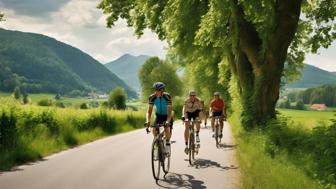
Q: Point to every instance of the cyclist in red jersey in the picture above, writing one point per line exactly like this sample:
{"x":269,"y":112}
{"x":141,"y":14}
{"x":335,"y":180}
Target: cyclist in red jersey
{"x":217,"y":108}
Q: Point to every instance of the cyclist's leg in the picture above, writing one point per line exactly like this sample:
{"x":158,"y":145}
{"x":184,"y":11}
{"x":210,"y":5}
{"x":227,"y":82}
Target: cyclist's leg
{"x":221,"y":120}
{"x":186,"y":132}
{"x":213,"y":122}
{"x":156,"y":121}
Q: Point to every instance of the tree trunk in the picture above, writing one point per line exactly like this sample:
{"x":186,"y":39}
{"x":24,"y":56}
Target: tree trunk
{"x":259,"y":76}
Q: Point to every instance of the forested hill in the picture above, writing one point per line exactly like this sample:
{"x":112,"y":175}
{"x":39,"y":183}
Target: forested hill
{"x":127,"y":67}
{"x":42,"y":64}
{"x":312,"y":77}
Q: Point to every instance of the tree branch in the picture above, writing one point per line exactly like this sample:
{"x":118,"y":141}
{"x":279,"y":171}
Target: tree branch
{"x":249,"y":40}
{"x":287,"y":14}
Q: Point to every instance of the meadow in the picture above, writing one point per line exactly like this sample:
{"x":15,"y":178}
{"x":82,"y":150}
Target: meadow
{"x":295,"y":151}
{"x":67,"y":101}
{"x":308,"y":119}
{"x":30,"y":132}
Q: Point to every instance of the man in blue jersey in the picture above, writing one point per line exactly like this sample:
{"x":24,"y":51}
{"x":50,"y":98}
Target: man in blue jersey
{"x":163,"y":111}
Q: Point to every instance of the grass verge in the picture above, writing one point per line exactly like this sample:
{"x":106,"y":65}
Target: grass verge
{"x":286,"y":157}
{"x":29,"y":132}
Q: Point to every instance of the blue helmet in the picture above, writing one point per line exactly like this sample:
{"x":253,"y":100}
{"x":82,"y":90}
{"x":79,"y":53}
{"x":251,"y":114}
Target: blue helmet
{"x":159,"y":86}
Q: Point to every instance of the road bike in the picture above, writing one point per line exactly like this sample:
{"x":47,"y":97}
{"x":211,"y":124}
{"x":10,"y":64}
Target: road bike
{"x":159,"y":157}
{"x":193,"y":148}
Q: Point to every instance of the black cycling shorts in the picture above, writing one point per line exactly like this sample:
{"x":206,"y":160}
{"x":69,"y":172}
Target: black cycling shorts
{"x":193,"y":115}
{"x":161,"y":118}
{"x":215,"y":114}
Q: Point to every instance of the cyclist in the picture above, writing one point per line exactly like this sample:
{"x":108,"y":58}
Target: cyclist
{"x":217,"y":108}
{"x":163,"y":111}
{"x":191,"y":110}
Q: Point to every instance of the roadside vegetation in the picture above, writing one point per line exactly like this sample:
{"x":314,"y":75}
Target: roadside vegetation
{"x":295,"y":151}
{"x":29,"y":132}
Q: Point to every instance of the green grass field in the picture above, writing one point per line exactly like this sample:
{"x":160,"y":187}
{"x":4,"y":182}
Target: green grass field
{"x":139,"y":105}
{"x":287,"y":155}
{"x":308,"y":119}
{"x":29,"y":132}
{"x":70,"y":102}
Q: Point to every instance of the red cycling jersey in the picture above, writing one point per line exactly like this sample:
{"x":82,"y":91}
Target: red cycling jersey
{"x":217,"y":105}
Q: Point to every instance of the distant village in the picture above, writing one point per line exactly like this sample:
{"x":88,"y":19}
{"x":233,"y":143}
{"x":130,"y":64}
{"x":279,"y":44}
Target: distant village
{"x":94,"y":95}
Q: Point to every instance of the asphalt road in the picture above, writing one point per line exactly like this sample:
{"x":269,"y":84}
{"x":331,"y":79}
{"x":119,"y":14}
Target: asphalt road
{"x":123,"y":161}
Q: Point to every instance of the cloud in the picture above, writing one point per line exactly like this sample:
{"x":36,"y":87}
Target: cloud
{"x":35,"y":8}
{"x":80,"y":24}
{"x":325,"y":59}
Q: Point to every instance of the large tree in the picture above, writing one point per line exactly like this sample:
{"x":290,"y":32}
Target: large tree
{"x":154,"y":70}
{"x":260,"y":39}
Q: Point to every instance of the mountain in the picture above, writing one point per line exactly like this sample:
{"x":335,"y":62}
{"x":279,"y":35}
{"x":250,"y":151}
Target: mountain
{"x":313,"y":76}
{"x":127,"y":67}
{"x":43,"y":64}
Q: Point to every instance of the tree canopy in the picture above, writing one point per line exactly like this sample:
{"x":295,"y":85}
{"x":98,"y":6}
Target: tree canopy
{"x":154,"y":70}
{"x":256,"y":37}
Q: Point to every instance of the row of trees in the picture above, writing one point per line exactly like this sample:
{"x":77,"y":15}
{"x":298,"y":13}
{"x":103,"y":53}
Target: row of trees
{"x":325,"y":94}
{"x":253,"y":38}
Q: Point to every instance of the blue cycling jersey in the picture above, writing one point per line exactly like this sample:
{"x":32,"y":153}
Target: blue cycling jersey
{"x":161,"y":103}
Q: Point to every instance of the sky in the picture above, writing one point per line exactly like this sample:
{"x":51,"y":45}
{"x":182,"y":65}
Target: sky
{"x":80,"y":24}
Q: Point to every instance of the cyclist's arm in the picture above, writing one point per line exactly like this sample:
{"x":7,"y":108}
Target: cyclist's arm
{"x":149,"y":113}
{"x":183,"y":111}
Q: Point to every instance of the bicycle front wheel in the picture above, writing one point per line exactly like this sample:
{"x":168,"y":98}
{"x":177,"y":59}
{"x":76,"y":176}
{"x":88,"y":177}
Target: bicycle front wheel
{"x":191,"y":148}
{"x":156,"y":162}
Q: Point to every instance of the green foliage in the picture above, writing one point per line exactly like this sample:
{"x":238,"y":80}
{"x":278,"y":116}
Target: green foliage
{"x":117,"y":99}
{"x":17,"y":93}
{"x":42,"y":64}
{"x":154,"y":70}
{"x":76,"y":93}
{"x":262,"y":165}
{"x":296,"y":141}
{"x":83,"y":106}
{"x":29,"y":132}
{"x":25,"y":99}
{"x":255,"y":37}
{"x":177,"y":107}
{"x":57,"y":96}
{"x":45,"y":102}
{"x":299,"y":105}
{"x":325,"y":94}
{"x":60,"y":104}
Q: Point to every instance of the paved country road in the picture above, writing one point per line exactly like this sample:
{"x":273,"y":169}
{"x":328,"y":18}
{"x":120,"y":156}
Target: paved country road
{"x":123,"y":161}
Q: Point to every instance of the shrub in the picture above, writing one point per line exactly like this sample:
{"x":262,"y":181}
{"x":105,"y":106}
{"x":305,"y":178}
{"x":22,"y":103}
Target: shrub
{"x":8,"y":130}
{"x":117,"y":99}
{"x":83,"y":106}
{"x":17,"y":93}
{"x":45,"y":102}
{"x":60,"y":104}
{"x":299,"y":105}
{"x":57,"y":97}
{"x":25,"y":99}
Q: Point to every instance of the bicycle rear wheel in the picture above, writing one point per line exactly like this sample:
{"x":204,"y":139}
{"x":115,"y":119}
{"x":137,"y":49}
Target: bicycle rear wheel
{"x":156,"y":160}
{"x":191,"y":148}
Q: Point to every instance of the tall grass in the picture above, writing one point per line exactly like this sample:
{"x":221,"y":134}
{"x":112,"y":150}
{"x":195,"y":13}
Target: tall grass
{"x":31,"y":132}
{"x":287,"y":155}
